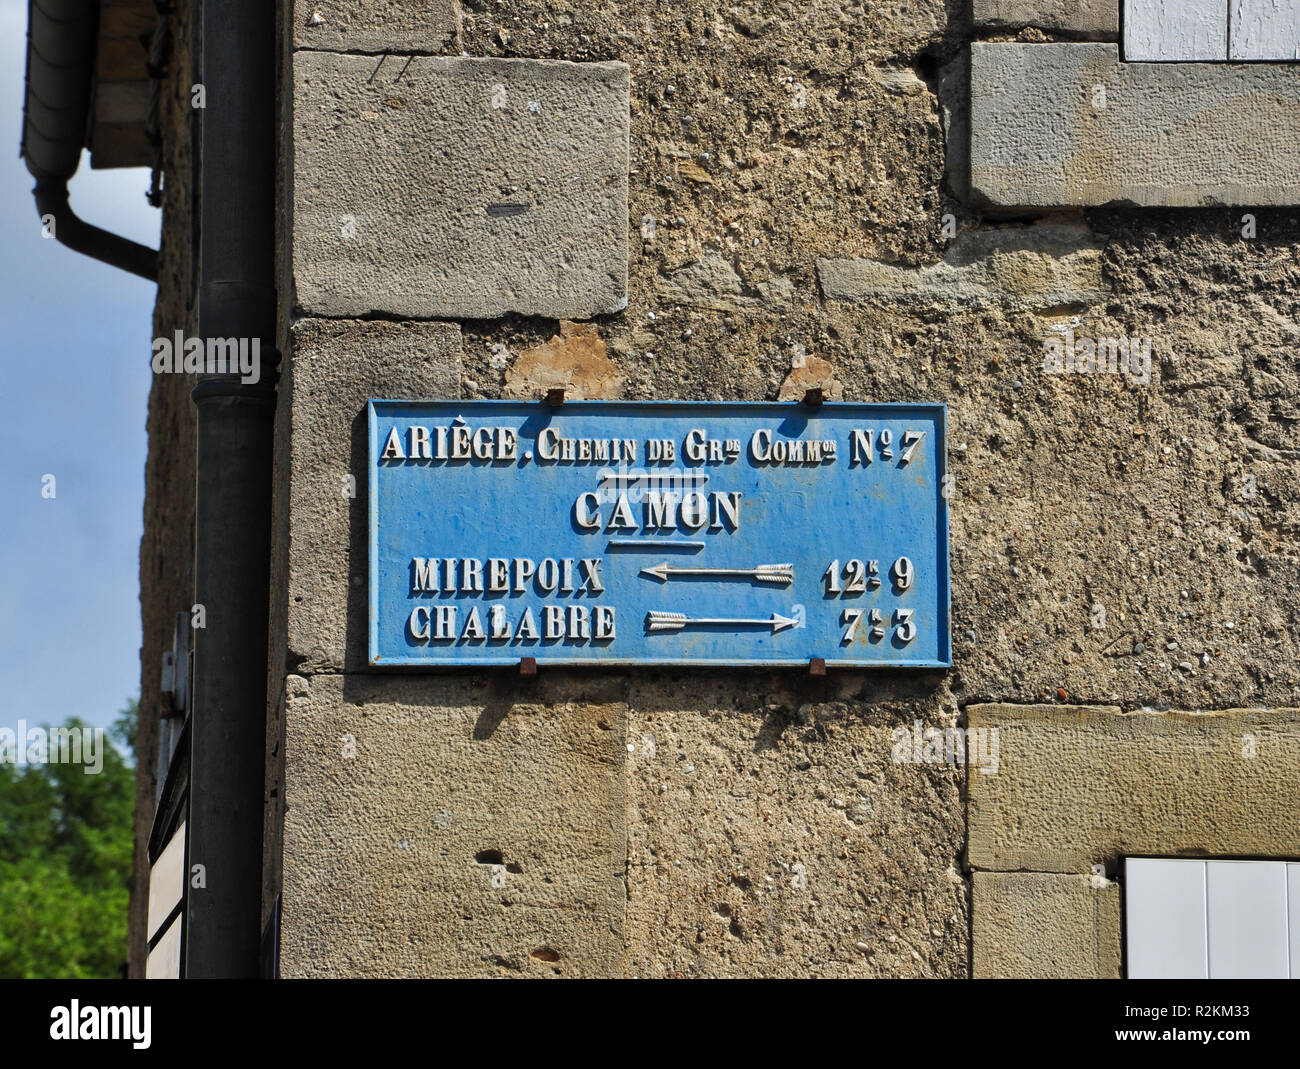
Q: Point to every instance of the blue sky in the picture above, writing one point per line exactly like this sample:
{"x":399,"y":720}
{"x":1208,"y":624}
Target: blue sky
{"x":73,"y":403}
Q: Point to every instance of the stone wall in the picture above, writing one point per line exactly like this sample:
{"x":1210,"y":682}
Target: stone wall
{"x":1125,"y":539}
{"x":167,"y":544}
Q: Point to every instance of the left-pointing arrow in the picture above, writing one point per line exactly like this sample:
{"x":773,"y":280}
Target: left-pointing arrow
{"x":778,"y":574}
{"x":675,"y":621}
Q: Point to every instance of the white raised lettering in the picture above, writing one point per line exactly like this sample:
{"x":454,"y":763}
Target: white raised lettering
{"x":471,"y":576}
{"x":579,"y":622}
{"x":591,"y":575}
{"x":695,"y":511}
{"x":622,"y":519}
{"x":507,"y":441}
{"x":527,"y":629}
{"x":424,"y":574}
{"x":393,"y":447}
{"x":548,"y":575}
{"x":501,"y":629}
{"x":444,"y":621}
{"x":459,"y":443}
{"x":693,"y":445}
{"x":473,"y":629}
{"x":524,"y":569}
{"x":419,"y":623}
{"x":420,"y":444}
{"x":586,"y":512}
{"x":553,"y":621}
{"x":604,"y":618}
{"x":860,"y":447}
{"x":660,"y":510}
{"x":727,"y":505}
{"x":546,"y":444}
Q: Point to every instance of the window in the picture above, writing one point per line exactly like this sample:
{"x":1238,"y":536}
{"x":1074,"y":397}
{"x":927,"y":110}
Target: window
{"x":1216,"y":920}
{"x":1215,"y":30}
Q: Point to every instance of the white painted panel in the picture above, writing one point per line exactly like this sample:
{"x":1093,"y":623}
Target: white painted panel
{"x":1293,"y":917}
{"x":1164,"y":919}
{"x":164,"y":961}
{"x":1246,"y":919}
{"x":166,"y":880}
{"x":1171,"y":30}
{"x":1265,"y":29}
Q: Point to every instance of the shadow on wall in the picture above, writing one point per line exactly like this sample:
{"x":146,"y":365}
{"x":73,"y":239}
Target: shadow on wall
{"x":782,"y":699}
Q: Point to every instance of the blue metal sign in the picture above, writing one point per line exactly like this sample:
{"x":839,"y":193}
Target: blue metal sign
{"x":659,"y":533}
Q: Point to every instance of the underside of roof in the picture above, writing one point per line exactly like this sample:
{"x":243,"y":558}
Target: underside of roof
{"x":120,"y":97}
{"x":88,"y":84}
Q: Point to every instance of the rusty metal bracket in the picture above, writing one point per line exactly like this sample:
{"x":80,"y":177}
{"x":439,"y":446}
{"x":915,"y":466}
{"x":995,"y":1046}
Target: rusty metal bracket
{"x":814,"y":397}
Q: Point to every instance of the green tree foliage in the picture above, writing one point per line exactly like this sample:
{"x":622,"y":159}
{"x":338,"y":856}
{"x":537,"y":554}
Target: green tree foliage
{"x":65,"y":862}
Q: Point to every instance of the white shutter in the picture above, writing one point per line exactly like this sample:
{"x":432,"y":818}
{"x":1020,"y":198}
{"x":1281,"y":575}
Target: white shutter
{"x":1293,"y":916}
{"x":1170,"y":31}
{"x":1265,"y":29}
{"x":1164,"y":913}
{"x":166,"y":881}
{"x":1173,"y":30}
{"x":1246,"y":919}
{"x":1211,"y":919}
{"x":164,"y":961}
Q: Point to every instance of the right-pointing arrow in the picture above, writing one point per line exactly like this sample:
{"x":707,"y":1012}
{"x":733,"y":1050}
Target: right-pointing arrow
{"x":675,"y":621}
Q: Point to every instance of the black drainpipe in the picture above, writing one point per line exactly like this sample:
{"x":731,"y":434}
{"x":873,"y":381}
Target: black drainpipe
{"x":62,"y":36}
{"x":237,"y":300}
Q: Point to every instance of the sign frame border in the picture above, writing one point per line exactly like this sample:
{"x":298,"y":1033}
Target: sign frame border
{"x":933,"y":410}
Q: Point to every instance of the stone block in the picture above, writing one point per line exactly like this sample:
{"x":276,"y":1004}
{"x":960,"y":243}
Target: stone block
{"x":334,"y":368}
{"x":1027,"y":268}
{"x":435,"y":827}
{"x":375,"y":25}
{"x":453,"y":187}
{"x":1043,"y":926}
{"x":1054,"y":125}
{"x":787,"y":842}
{"x":1096,"y":17}
{"x":1080,"y":785}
